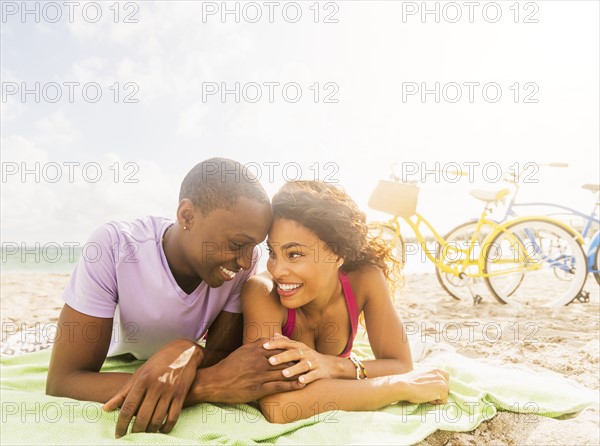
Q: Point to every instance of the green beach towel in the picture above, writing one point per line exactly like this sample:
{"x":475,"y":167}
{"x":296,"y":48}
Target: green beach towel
{"x":478,"y":391}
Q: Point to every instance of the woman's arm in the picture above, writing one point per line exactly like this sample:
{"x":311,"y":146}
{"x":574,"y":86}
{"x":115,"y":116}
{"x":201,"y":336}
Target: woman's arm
{"x":386,"y":336}
{"x":263,"y":317}
{"x":385,"y":330}
{"x":325,"y":395}
{"x":263,"y":314}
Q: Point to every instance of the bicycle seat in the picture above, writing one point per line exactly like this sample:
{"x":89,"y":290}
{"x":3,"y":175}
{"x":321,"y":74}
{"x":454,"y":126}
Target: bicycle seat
{"x":591,"y":187}
{"x":490,"y":195}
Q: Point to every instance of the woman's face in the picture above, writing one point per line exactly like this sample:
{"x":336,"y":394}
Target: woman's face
{"x":300,"y":263}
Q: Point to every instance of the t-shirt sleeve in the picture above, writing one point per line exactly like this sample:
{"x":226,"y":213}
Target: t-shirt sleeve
{"x":92,"y":288}
{"x":234,"y":304}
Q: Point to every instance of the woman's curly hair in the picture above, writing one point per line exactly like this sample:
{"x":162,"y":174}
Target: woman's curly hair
{"x":334,"y":217}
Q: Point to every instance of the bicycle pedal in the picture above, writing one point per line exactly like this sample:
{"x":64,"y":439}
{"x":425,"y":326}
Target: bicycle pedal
{"x":583,"y":297}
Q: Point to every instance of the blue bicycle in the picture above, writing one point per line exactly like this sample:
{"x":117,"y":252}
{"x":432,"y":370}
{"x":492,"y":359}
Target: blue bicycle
{"x":511,"y":289}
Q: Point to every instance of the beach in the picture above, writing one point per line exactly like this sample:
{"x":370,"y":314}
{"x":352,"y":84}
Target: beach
{"x":563,"y":340}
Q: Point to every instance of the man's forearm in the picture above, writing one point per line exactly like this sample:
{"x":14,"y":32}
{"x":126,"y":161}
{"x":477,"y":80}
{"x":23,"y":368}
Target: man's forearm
{"x":205,"y":388}
{"x":88,"y":386}
{"x":211,"y":357}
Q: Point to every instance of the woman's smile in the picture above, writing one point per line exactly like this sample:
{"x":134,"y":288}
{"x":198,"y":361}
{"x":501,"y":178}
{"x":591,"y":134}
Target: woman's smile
{"x":288,"y":289}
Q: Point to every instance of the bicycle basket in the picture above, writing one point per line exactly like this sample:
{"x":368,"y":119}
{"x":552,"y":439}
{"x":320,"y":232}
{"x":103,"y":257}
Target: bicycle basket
{"x":392,"y":197}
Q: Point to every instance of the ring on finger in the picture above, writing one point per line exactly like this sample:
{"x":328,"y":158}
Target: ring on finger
{"x":309,"y":365}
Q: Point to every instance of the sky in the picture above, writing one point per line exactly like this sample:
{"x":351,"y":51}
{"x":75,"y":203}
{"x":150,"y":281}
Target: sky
{"x":106,"y":106}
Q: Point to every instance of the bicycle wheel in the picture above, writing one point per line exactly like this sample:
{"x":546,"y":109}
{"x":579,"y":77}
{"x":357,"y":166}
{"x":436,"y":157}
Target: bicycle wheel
{"x":548,"y":257}
{"x":388,"y":235}
{"x":453,"y":253}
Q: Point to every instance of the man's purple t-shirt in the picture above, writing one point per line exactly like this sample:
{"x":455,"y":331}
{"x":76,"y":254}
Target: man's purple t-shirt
{"x":123,"y":273}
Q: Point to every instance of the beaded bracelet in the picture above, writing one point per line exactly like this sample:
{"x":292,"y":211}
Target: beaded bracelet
{"x":362,"y":369}
{"x":361,"y":373}
{"x":355,"y":362}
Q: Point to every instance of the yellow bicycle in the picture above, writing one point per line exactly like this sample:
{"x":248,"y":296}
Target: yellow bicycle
{"x":526,"y":260}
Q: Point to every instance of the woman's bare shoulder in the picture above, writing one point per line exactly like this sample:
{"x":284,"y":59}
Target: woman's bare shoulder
{"x":261,"y":286}
{"x":367,"y":281}
{"x":366,"y":276}
{"x":260,"y":282}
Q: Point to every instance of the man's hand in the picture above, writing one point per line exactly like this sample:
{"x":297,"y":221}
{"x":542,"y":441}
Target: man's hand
{"x":157,"y":390}
{"x":245,"y":375}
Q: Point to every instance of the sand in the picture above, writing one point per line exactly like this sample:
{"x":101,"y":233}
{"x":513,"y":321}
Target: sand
{"x":565,"y":340}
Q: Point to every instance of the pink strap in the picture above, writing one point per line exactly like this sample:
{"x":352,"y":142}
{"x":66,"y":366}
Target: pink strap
{"x":288,"y":328}
{"x":352,"y":311}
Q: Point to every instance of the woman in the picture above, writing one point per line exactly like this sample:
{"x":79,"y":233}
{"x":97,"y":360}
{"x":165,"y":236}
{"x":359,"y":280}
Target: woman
{"x":324,"y":270}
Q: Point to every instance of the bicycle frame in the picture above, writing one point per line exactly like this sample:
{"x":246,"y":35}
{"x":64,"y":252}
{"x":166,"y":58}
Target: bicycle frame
{"x":502,"y":228}
{"x":461,"y":267}
{"x":533,"y":241}
{"x":590,"y":219}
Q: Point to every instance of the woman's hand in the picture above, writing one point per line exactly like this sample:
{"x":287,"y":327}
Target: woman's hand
{"x":425,"y":386}
{"x":309,"y":364}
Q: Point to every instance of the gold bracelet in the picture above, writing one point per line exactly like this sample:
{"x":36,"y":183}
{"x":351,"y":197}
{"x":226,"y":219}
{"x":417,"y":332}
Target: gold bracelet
{"x":362,"y":369}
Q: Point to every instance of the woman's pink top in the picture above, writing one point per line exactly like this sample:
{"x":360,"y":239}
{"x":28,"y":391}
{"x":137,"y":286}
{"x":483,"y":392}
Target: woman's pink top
{"x":288,"y":328}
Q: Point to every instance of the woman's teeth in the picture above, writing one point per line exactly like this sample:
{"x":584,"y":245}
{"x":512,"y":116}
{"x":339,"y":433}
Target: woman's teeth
{"x":228,"y":272}
{"x":289,"y":287}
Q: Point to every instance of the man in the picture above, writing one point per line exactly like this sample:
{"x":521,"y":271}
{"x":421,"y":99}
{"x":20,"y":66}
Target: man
{"x":164,"y":284}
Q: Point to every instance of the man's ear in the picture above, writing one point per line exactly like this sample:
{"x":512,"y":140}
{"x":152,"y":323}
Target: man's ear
{"x":186,"y":213}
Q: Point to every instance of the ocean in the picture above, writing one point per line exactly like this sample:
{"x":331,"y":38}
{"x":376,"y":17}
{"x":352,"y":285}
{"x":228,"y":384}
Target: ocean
{"x":59,"y":259}
{"x":46,"y":258}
